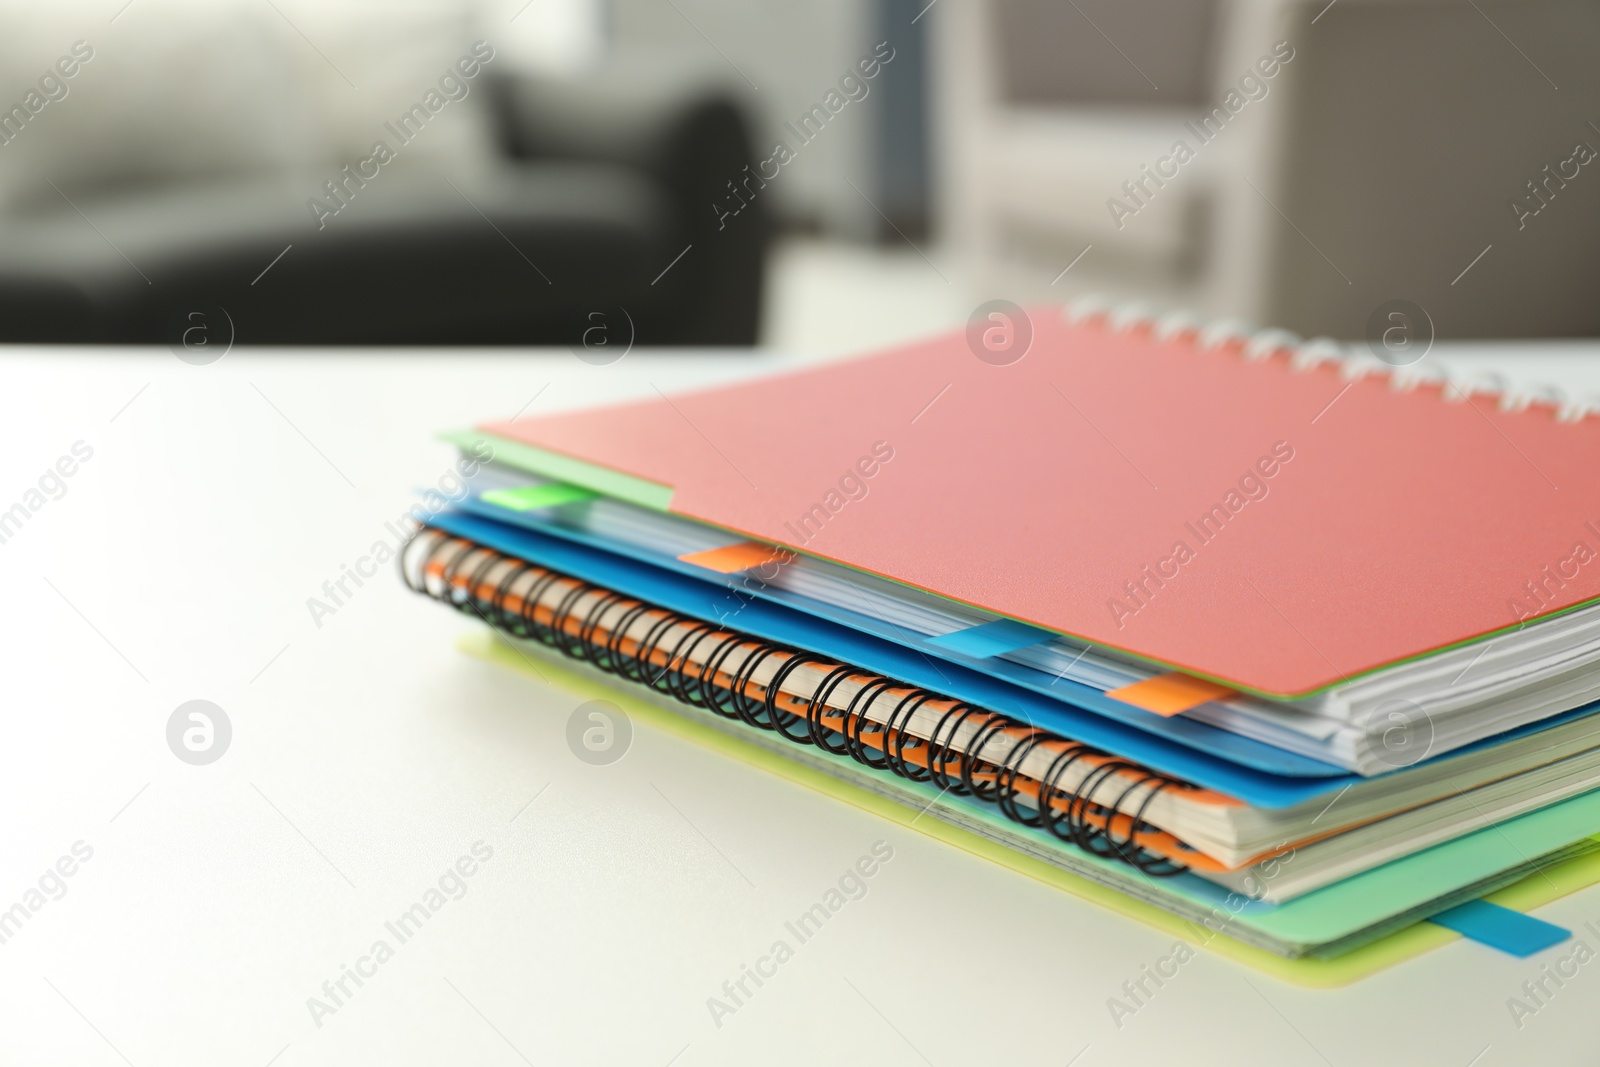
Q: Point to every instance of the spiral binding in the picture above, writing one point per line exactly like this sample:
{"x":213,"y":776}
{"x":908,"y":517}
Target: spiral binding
{"x":1254,"y":344}
{"x":1081,"y":817}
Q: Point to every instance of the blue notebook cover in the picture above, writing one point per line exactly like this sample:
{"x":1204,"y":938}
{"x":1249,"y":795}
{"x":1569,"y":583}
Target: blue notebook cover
{"x":1183,"y":754}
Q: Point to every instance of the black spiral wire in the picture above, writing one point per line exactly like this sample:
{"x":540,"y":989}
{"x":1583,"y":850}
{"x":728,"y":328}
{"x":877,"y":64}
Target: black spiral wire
{"x":1085,"y":817}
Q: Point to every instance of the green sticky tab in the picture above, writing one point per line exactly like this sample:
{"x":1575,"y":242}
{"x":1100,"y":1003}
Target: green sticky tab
{"x":534,"y":497}
{"x":546,"y":464}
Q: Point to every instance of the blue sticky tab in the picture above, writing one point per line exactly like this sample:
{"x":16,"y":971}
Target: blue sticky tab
{"x":992,"y":638}
{"x":1501,"y":928}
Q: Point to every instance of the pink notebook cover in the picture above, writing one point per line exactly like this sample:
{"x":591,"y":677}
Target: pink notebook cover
{"x":1276,"y":529}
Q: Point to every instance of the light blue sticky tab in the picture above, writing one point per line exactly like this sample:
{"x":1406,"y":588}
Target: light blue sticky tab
{"x":1501,"y":928}
{"x":992,"y":638}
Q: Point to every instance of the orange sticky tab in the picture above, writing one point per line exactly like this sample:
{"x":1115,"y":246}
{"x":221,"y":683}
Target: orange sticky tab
{"x":1170,"y":694}
{"x":730,"y":559}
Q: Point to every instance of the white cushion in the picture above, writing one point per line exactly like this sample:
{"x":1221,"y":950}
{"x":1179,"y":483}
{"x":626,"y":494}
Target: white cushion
{"x":172,"y":89}
{"x":195,"y":89}
{"x":366,"y":63}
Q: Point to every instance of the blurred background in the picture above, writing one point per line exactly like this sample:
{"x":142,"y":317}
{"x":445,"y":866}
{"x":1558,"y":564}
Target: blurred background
{"x":824,"y":177}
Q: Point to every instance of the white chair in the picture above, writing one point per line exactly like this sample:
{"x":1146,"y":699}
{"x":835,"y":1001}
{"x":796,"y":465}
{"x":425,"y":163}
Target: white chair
{"x":1377,"y":165}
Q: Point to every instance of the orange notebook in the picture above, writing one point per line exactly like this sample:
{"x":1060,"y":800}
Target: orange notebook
{"x":1233,"y":514}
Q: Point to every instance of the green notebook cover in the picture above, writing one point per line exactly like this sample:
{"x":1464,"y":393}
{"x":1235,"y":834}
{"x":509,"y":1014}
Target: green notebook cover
{"x":1337,"y":934}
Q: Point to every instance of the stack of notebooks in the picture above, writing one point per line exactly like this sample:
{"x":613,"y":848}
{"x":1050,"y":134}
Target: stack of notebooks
{"x":1293,"y":656}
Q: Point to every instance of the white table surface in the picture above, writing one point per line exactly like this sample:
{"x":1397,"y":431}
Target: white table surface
{"x":368,"y":754}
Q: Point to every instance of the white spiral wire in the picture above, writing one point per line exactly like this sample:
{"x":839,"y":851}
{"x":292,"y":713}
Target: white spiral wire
{"x":1454,"y":385}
